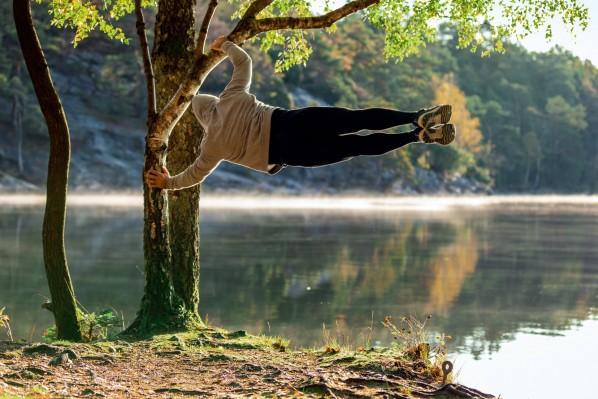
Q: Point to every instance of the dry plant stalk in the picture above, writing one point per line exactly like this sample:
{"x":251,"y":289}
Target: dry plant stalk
{"x":4,"y":319}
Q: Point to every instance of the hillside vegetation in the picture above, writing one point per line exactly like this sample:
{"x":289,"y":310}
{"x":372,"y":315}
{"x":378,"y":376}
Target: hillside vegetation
{"x":527,"y":122}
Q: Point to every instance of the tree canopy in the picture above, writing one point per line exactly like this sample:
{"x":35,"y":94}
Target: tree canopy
{"x":408,"y":25}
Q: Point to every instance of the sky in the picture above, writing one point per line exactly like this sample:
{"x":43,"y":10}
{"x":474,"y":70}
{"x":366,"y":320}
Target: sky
{"x":585,"y":45}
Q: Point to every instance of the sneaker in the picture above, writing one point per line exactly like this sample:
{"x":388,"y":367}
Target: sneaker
{"x":437,"y":115}
{"x":443,"y":134}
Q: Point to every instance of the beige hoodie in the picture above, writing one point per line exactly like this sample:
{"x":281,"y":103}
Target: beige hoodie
{"x":237,"y":126}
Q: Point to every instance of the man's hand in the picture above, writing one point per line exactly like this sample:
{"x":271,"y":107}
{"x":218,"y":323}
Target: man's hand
{"x":157,"y":179}
{"x":217,"y":43}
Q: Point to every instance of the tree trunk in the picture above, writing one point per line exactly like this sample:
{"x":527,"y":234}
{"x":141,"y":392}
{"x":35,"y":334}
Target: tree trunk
{"x":172,"y":56}
{"x":159,"y":308}
{"x":59,"y":281}
{"x":184,"y":215}
{"x":171,"y":244}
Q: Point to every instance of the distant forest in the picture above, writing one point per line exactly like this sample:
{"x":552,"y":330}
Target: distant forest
{"x":527,"y":122}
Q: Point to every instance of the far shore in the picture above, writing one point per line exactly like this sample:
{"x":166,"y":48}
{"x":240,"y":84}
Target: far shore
{"x":364,"y":202}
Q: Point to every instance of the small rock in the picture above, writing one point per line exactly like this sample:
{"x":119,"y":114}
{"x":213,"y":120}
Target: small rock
{"x":60,"y":359}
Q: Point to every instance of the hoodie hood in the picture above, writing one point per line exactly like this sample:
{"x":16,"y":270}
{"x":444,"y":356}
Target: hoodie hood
{"x":203,"y":105}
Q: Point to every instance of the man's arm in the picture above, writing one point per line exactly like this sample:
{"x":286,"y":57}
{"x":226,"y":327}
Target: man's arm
{"x":194,"y":174}
{"x":241,"y":79}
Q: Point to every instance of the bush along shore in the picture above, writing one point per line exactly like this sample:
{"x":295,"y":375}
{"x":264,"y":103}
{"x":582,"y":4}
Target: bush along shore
{"x":211,"y":362}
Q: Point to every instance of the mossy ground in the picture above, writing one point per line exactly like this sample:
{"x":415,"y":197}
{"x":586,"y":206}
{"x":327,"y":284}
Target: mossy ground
{"x":212,"y":363}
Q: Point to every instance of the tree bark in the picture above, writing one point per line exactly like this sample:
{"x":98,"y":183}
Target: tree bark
{"x":59,"y":281}
{"x":203,"y":30}
{"x":172,"y":55}
{"x":171,"y":231}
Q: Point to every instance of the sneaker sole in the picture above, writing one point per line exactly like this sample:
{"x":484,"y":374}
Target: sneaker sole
{"x":445,"y":136}
{"x":437,"y":116}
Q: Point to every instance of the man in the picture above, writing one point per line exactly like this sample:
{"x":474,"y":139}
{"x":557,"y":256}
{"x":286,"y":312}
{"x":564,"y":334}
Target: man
{"x":242,"y":130}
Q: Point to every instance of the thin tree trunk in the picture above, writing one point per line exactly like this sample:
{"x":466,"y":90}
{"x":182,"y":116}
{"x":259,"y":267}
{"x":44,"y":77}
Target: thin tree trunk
{"x":17,"y":121}
{"x":59,"y":281}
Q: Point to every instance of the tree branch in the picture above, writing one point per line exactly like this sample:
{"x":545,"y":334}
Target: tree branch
{"x":256,"y":7}
{"x":147,"y":63}
{"x":203,"y":30}
{"x":245,"y":29}
{"x":322,"y":21}
{"x":159,"y":130}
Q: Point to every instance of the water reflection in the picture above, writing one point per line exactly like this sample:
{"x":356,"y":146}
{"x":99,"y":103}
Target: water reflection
{"x":449,"y":270}
{"x":535,"y":269}
{"x":104,"y":254}
{"x":484,"y":273}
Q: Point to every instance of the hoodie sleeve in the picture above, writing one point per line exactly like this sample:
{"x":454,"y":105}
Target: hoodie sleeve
{"x":241,"y":79}
{"x":194,"y":174}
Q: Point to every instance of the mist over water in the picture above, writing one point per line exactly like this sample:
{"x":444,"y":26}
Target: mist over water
{"x":513,"y":280}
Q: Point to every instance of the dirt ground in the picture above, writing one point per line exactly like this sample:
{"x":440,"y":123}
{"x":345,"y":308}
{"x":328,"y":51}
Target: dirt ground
{"x":213,"y":364}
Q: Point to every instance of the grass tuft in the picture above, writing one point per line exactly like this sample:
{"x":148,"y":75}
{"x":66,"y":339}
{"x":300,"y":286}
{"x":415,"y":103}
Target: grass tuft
{"x":413,"y":340}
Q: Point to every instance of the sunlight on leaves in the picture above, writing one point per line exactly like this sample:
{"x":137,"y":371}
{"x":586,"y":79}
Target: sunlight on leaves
{"x":483,"y":25}
{"x":294,"y":47}
{"x":85,"y":16}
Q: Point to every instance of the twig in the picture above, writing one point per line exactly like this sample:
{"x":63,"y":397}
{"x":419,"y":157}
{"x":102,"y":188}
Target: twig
{"x":147,"y":64}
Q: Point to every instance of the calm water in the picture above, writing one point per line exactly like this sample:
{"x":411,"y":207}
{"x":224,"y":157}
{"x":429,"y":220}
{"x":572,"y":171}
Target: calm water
{"x":515,"y":285}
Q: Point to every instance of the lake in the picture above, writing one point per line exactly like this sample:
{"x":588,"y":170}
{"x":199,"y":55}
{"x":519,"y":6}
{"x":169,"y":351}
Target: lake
{"x":514,"y":281}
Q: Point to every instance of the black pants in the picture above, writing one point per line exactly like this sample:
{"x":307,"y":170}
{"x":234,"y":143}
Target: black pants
{"x":317,"y":136}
